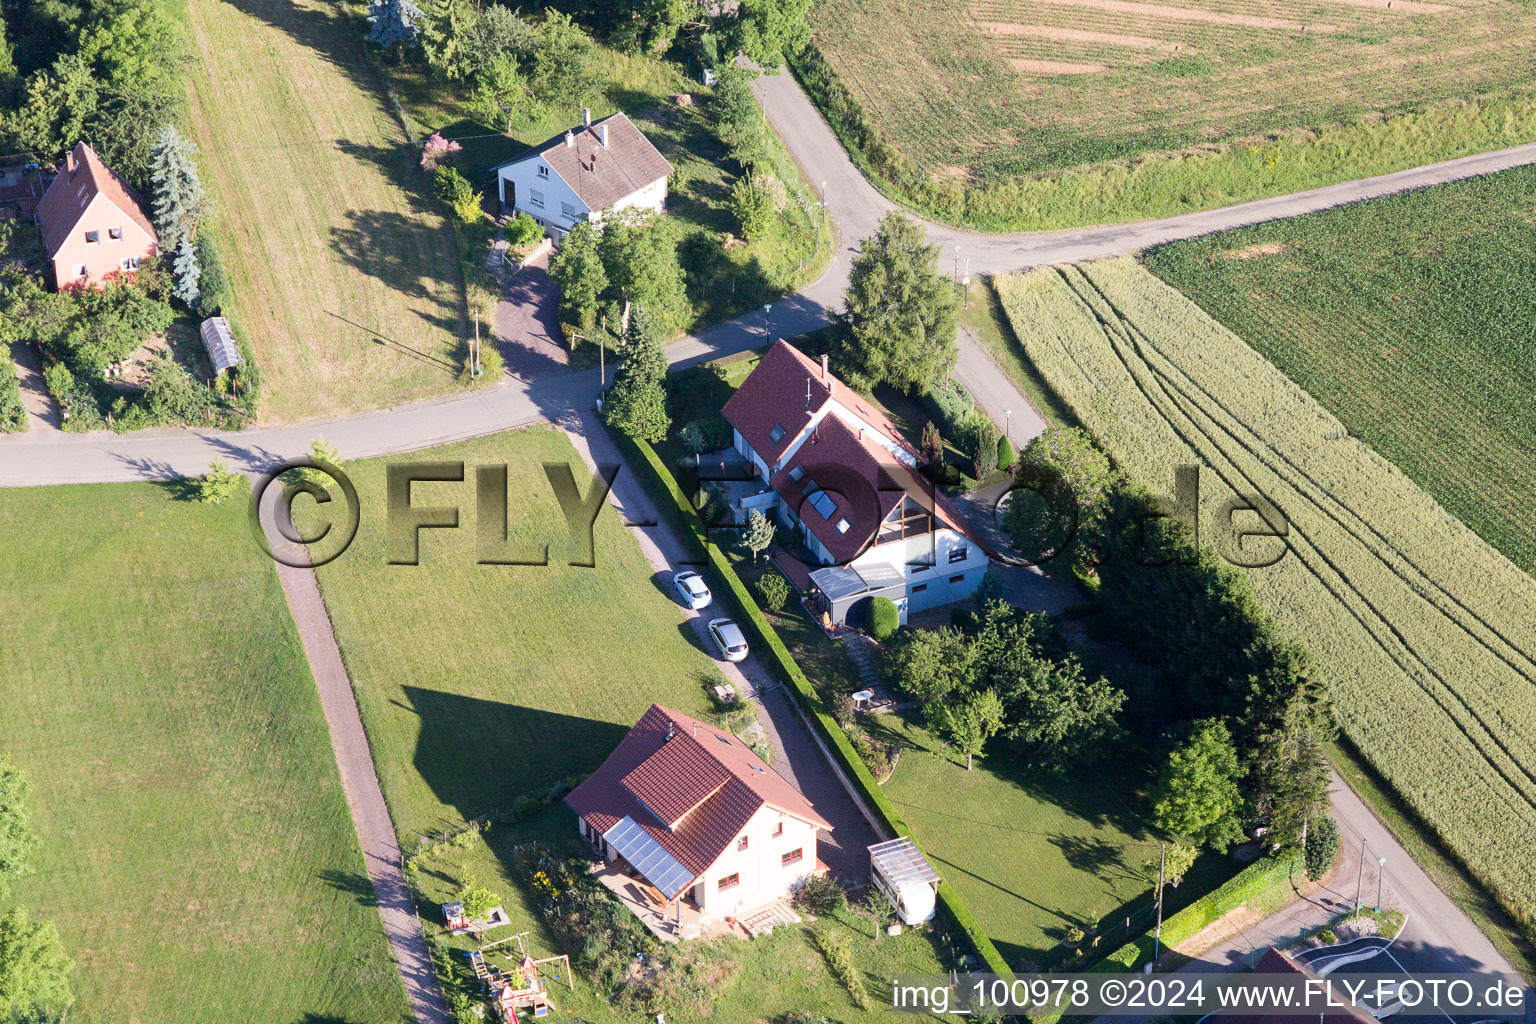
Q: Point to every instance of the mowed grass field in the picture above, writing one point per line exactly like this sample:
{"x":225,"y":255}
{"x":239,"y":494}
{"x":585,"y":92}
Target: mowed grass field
{"x":1011,"y":86}
{"x":481,"y":683}
{"x":1426,"y":633}
{"x":1410,"y":319}
{"x":195,"y":849}
{"x":1033,"y":855}
{"x":344,"y":271}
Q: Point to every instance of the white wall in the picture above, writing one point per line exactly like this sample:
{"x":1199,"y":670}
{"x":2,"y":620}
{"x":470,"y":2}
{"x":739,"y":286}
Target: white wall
{"x":763,"y":876}
{"x":946,"y":581}
{"x":515,"y":183}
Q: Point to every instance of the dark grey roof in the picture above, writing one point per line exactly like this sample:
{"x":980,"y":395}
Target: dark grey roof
{"x":628,"y":164}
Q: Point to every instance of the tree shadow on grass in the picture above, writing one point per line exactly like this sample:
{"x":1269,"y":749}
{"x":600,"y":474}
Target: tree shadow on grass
{"x":381,"y":244}
{"x":352,"y":883}
{"x":327,"y":31}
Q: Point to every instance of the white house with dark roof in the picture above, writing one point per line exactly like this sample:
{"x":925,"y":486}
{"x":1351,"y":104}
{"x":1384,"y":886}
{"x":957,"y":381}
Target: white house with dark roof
{"x":583,"y":173}
{"x":836,"y":467}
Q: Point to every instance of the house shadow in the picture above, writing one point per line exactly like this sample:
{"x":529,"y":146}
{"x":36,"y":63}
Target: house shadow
{"x":479,"y":756}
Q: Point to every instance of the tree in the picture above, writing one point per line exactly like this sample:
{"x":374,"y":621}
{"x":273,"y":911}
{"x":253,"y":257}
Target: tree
{"x":1283,"y":726}
{"x":972,"y":722}
{"x":884,"y":618}
{"x":640,"y":257}
{"x":1006,"y":456}
{"x":931,"y":444}
{"x":1066,"y":481}
{"x":983,"y":445}
{"x":739,"y":119}
{"x":1175,"y":862}
{"x":436,"y":151}
{"x":478,"y":901}
{"x":320,"y":450}
{"x":932,"y":665}
{"x":1321,"y":848}
{"x":218,"y":483}
{"x":7,"y":60}
{"x":773,"y":591}
{"x":16,"y":839}
{"x":567,"y":69}
{"x":501,"y":93}
{"x":691,"y":437}
{"x":500,"y":32}
{"x":179,"y":198}
{"x":771,"y":31}
{"x":753,"y":204}
{"x":395,"y":24}
{"x":578,"y":269}
{"x":899,"y":318}
{"x":637,"y":404}
{"x":187,"y":273}
{"x":213,"y":284}
{"x":34,"y":969}
{"x":759,"y":533}
{"x":1197,"y":796}
{"x":446,"y":31}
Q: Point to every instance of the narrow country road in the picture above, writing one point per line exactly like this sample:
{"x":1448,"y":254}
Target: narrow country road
{"x":36,"y":458}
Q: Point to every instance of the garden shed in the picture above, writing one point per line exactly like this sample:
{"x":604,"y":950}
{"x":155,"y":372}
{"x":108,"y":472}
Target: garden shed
{"x":219,"y":341}
{"x":903,"y":874}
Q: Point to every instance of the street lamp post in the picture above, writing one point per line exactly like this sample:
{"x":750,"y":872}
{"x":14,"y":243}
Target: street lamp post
{"x":1008,"y":425}
{"x":823,"y":200}
{"x":1381,"y":866}
{"x":1359,"y":877}
{"x":957,"y":265}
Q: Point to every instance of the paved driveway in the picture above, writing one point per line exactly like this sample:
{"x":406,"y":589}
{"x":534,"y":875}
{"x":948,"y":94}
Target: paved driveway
{"x":528,"y":322}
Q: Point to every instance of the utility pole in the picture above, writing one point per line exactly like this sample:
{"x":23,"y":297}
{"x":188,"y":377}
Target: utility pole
{"x":1157,"y":935}
{"x":1381,"y":869}
{"x":1359,"y":877}
{"x":475,"y":356}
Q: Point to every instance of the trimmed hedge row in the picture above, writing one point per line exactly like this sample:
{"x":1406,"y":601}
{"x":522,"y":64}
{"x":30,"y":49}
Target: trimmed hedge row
{"x":670,"y":501}
{"x":1248,"y":884}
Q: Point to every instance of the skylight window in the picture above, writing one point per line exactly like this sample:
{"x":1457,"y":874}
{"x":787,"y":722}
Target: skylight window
{"x":777,"y":433}
{"x":796,"y":473}
{"x":842,"y":526}
{"x":822,"y":502}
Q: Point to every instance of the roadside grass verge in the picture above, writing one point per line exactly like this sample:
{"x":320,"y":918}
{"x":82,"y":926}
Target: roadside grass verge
{"x":1409,"y":317}
{"x":195,"y":849}
{"x":342,"y":267}
{"x":1424,"y":631}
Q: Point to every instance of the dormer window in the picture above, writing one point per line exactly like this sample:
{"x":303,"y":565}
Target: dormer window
{"x":116,"y":234}
{"x":796,"y":473}
{"x":543,"y":171}
{"x":777,"y":433}
{"x":92,"y":237}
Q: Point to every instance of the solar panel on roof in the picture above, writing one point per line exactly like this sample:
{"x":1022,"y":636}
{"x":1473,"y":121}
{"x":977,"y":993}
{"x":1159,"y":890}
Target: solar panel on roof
{"x":658,"y":866}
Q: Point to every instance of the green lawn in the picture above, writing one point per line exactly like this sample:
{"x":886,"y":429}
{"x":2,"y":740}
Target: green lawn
{"x":1033,"y":855}
{"x":196,"y":851}
{"x":1409,"y":318}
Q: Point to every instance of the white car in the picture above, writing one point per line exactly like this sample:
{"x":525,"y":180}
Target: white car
{"x":690,"y":587}
{"x":727,"y":637}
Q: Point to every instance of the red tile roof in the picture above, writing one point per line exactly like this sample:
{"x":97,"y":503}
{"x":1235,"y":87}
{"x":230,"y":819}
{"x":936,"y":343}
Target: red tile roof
{"x":82,"y":177}
{"x":774,"y":394}
{"x":690,"y":786}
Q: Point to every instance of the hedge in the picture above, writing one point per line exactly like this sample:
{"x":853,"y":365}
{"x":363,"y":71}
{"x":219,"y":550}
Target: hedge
{"x":671,"y":502}
{"x":1248,"y":884}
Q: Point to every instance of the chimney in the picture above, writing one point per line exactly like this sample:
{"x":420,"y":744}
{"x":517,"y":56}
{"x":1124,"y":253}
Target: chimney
{"x":823,"y":366}
{"x":586,"y":115}
{"x":604,"y":130}
{"x":570,"y":140}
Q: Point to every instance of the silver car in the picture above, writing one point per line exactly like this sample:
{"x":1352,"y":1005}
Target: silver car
{"x":727,"y":637}
{"x":690,"y":587}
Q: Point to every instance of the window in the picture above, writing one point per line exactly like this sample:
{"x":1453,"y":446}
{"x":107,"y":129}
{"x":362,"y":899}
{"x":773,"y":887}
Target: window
{"x":536,"y":197}
{"x":92,"y":237}
{"x":777,"y":433}
{"x":568,"y":210}
{"x":80,"y":271}
{"x":543,"y":171}
{"x":842,"y":526}
{"x":823,"y":502}
{"x":921,"y":567}
{"x":730,"y":881}
{"x":919,"y":588}
{"x":116,"y":234}
{"x":741,"y":844}
{"x":131,"y":262}
{"x":959,"y":554}
{"x":778,"y":830}
{"x":957,"y":579}
{"x":792,"y":857}
{"x":796,"y":473}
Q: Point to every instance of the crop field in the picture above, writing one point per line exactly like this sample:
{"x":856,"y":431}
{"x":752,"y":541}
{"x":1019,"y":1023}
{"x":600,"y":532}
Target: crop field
{"x":1425,"y":631}
{"x":992,"y":91}
{"x":1410,"y":319}
{"x":344,"y":271}
{"x":195,"y":848}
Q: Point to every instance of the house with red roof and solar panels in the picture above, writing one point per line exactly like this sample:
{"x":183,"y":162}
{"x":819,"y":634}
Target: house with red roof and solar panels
{"x":835,"y":467}
{"x":694,"y":815}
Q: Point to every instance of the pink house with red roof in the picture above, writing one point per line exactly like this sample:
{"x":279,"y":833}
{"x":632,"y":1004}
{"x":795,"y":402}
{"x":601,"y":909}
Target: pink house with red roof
{"x":835,"y":467}
{"x":696,"y":814}
{"x":93,"y":223}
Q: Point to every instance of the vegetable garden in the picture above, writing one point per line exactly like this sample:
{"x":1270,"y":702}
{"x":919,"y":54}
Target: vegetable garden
{"x":1423,"y":629}
{"x":1020,"y":114}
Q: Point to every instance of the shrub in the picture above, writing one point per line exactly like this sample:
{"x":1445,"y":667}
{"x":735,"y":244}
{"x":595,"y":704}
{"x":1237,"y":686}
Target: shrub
{"x":883,"y":618}
{"x":773,"y":591}
{"x":213,"y":285}
{"x":218,"y":483}
{"x":843,"y":710}
{"x":950,"y":405}
{"x":984,"y":446}
{"x":1322,"y":848}
{"x":821,"y":895}
{"x":1006,"y":456}
{"x":1327,"y":937}
{"x":13,"y":413}
{"x":457,"y":194}
{"x":834,"y":945}
{"x":173,"y":395}
{"x":523,"y":232}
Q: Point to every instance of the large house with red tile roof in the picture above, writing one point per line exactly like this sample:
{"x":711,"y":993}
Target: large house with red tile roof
{"x":836,"y":468}
{"x":93,"y":223}
{"x":696,"y":814}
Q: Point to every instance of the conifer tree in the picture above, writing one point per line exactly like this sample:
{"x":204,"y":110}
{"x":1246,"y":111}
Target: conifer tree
{"x":179,"y":197}
{"x":394,"y":23}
